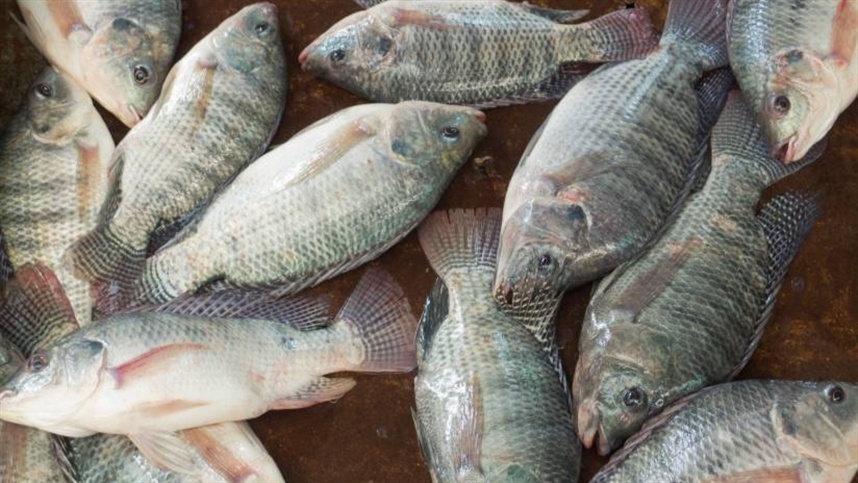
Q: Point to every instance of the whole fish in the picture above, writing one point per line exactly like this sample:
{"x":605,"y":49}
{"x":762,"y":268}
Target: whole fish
{"x":747,"y":431}
{"x":147,"y":374}
{"x":218,"y":110}
{"x":490,"y":405}
{"x":363,"y":178}
{"x":797,"y":64}
{"x":120,"y":51}
{"x":690,"y":311}
{"x":225,"y":452}
{"x":482,"y":53}
{"x":614,"y":159}
{"x":54,"y":163}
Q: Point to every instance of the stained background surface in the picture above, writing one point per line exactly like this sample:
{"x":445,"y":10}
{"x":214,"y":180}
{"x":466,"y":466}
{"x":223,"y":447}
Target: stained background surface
{"x":368,"y":436}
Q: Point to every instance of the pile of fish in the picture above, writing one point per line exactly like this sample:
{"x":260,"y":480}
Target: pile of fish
{"x":152,"y":300}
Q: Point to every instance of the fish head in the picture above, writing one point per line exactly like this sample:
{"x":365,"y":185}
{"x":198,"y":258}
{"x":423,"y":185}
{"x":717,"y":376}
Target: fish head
{"x":57,"y":107}
{"x":352,"y":53}
{"x":53,"y":384}
{"x":798,"y":104}
{"x":250,"y":40}
{"x":538,"y":243}
{"x":428,"y":134}
{"x":10,"y":359}
{"x":126,"y":62}
{"x":822,"y":423}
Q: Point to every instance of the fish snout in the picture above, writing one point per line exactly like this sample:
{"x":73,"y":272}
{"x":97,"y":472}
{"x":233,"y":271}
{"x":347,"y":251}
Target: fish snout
{"x":589,"y":419}
{"x":785,"y":151}
{"x":129,"y":115}
{"x":479,"y":115}
{"x":7,"y":393}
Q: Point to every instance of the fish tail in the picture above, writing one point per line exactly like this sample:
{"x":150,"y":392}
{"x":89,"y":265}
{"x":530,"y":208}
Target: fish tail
{"x":167,"y":275}
{"x":459,"y":239}
{"x":101,"y":255}
{"x":738,"y":134}
{"x":699,"y":27}
{"x":621,"y":35}
{"x":380,"y":315}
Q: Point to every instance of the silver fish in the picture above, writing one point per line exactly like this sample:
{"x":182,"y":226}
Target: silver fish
{"x":797,"y":64}
{"x":119,"y":50}
{"x":490,"y":406}
{"x":482,"y":53}
{"x":218,"y":110}
{"x":747,"y":431}
{"x":614,"y":159}
{"x":364,"y":178}
{"x":54,"y":163}
{"x":690,"y":311}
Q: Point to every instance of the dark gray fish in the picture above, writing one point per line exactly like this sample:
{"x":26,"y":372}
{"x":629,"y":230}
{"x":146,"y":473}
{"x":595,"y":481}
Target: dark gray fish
{"x":747,"y":431}
{"x":690,"y":311}
{"x":482,"y":53}
{"x":614,"y":159}
{"x":490,"y":407}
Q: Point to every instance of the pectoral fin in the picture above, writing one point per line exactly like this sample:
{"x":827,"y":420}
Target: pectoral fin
{"x":156,"y":361}
{"x":166,"y":450}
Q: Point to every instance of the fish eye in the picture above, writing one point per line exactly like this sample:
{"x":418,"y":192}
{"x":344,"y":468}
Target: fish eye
{"x":836,"y":394}
{"x":261,"y":27}
{"x":780,"y":105}
{"x":384,"y":44}
{"x":633,"y":397}
{"x":141,"y":74}
{"x":337,"y":55}
{"x":44,"y":90}
{"x":450,"y":132}
{"x":37,"y":362}
{"x":544,"y":263}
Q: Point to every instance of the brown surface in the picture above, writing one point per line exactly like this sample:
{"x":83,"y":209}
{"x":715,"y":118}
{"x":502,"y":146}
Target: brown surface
{"x":368,"y":436}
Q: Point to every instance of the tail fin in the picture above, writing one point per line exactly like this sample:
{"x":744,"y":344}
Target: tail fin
{"x":622,"y":35}
{"x":460,"y":239}
{"x":103,"y":258}
{"x":378,"y":312}
{"x":34,"y":310}
{"x":738,"y":134}
{"x":699,"y":26}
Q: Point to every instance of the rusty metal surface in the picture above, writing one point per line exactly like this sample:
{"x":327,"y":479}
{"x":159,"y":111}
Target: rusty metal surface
{"x":368,"y":436}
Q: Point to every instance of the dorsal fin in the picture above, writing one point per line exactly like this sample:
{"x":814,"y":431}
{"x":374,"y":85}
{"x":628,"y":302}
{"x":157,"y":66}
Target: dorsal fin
{"x":435,"y":310}
{"x":558,"y":16}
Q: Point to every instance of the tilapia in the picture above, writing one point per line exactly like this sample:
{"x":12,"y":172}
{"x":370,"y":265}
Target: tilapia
{"x":747,"y":431}
{"x":149,"y":373}
{"x":120,"y":51}
{"x":614,"y":159}
{"x":490,"y":405}
{"x":218,"y":110}
{"x":54,"y":163}
{"x":225,"y":452}
{"x":690,"y":311}
{"x":482,"y":53}
{"x":797,"y":64}
{"x":335,"y":196}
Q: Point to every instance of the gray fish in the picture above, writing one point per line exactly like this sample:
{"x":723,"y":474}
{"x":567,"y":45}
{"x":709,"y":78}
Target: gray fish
{"x":747,"y":431}
{"x":54,"y":163}
{"x":482,"y":53}
{"x":119,"y":50}
{"x":797,"y":64}
{"x":690,"y":311}
{"x":490,"y":407}
{"x":218,"y":110}
{"x":363,"y":178}
{"x":614,"y":160}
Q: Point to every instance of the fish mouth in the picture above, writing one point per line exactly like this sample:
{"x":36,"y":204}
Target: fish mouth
{"x":785,"y":150}
{"x":479,"y":115}
{"x":129,"y":115}
{"x":8,"y":394}
{"x":590,"y":426}
{"x":304,"y":55}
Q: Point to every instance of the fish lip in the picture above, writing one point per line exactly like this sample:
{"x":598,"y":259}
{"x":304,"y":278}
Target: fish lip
{"x":480,"y":115}
{"x":303,"y":56}
{"x":129,"y":115}
{"x":784,"y":151}
{"x":589,"y":421}
{"x":7,"y":393}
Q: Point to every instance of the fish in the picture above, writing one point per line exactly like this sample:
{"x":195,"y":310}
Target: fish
{"x":489,"y":403}
{"x":614,"y":159}
{"x":797,"y":64}
{"x":218,"y":110}
{"x":35,"y":313}
{"x":54,"y":163}
{"x":690,"y":311}
{"x":364,"y":177}
{"x":754,"y":430}
{"x":481,"y":53}
{"x":120,"y":51}
{"x":151,"y":372}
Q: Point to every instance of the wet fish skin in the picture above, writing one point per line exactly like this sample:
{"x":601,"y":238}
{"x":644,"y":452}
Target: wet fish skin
{"x":489,"y":404}
{"x":579,"y":205}
{"x":219,"y":108}
{"x":797,"y":64}
{"x":120,"y":50}
{"x":54,"y":162}
{"x":751,"y":430}
{"x":482,"y":53}
{"x":406,"y":155}
{"x":689,"y":312}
